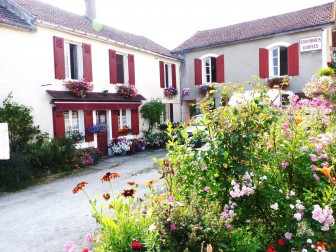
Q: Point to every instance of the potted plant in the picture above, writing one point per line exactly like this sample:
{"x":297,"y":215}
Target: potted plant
{"x":99,"y":128}
{"x":125,"y":131}
{"x":205,"y":89}
{"x":170,"y":93}
{"x":79,"y":88}
{"x":279,"y":82}
{"x":127,"y":90}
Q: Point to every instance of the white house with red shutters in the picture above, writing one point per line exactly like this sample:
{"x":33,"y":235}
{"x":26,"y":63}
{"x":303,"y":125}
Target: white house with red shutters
{"x":295,"y":44}
{"x":42,"y":47}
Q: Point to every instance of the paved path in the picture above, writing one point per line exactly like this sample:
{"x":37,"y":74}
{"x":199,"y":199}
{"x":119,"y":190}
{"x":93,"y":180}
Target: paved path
{"x":44,"y":217}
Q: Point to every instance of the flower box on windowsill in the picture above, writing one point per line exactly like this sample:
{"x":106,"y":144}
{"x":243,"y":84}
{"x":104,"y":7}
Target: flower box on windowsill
{"x":280,"y":82}
{"x":170,"y":93}
{"x":79,"y":88}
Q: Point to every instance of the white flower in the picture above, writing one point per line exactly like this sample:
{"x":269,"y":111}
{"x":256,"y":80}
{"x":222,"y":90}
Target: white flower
{"x":275,"y":206}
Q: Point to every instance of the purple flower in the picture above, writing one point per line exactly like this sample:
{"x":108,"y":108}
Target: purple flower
{"x":313,"y":157}
{"x":284,"y":164}
{"x":172,"y":226}
{"x":313,"y":167}
{"x":207,"y":189}
{"x":288,"y":236}
{"x":317,"y":178}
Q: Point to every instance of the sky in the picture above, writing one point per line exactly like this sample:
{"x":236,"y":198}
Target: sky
{"x":172,"y":22}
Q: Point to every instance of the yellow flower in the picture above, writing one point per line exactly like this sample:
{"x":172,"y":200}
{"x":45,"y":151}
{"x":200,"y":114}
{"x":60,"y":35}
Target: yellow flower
{"x":150,"y":183}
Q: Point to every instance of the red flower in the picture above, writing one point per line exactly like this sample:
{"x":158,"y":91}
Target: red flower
{"x":108,"y":176}
{"x":329,"y":64}
{"x":80,"y":186}
{"x":271,"y":249}
{"x":281,"y":242}
{"x":85,"y":250}
{"x":136,"y":246}
{"x":106,"y":196}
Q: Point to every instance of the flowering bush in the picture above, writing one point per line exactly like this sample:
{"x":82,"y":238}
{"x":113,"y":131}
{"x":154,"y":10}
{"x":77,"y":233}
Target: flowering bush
{"x":127,"y":90}
{"x":120,"y":145}
{"x":170,"y":93}
{"x":125,"y":131}
{"x":79,"y":88}
{"x":98,"y":128}
{"x":279,"y":82}
{"x":325,"y":85}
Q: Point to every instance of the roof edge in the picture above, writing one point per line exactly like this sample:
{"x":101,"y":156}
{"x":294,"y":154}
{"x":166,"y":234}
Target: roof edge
{"x":98,"y":37}
{"x":253,"y":38}
{"x":21,"y":13}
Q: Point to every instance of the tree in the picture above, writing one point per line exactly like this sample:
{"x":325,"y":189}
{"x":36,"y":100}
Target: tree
{"x":20,"y":123}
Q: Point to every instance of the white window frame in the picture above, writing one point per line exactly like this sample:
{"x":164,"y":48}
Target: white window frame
{"x":271,"y":48}
{"x":204,"y":58}
{"x":125,"y":66}
{"x":128,"y":118}
{"x":69,"y":126}
{"x":67,"y":63}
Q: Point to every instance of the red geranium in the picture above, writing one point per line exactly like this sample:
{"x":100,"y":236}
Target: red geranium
{"x":85,"y":250}
{"x":281,"y":242}
{"x":271,"y":249}
{"x":136,"y":246}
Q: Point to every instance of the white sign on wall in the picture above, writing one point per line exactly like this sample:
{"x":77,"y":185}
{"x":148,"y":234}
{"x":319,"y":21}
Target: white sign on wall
{"x":311,"y":44}
{"x":4,"y":141}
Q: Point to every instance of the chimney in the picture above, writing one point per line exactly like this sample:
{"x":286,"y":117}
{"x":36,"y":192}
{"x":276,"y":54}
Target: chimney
{"x":90,"y":9}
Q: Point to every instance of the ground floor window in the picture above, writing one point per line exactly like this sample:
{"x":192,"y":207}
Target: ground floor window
{"x":124,"y":118}
{"x":71,"y":120}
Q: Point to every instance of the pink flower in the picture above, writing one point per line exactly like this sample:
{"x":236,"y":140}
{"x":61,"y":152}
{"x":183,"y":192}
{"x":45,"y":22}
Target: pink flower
{"x":288,"y":236}
{"x":317,"y":178}
{"x":229,"y":227}
{"x":85,"y":250}
{"x":207,"y":189}
{"x":285,"y":126}
{"x":69,"y":245}
{"x":309,"y":241}
{"x":172,"y":226}
{"x":171,"y":198}
{"x":313,"y":157}
{"x":298,"y":216}
{"x":89,"y":238}
{"x":169,"y":218}
{"x":313,"y":167}
{"x":284,"y":164}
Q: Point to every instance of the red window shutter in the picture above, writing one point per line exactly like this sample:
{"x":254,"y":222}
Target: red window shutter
{"x":293,"y":59}
{"x":162,"y":79}
{"x":58,"y":121}
{"x":135,"y":121}
{"x":173,"y":67}
{"x":115,"y":125}
{"x":131,"y":72}
{"x":113,"y":66}
{"x":220,"y":68}
{"x":263,"y":63}
{"x":88,"y":121}
{"x":87,"y":62}
{"x":59,"y":62}
{"x":198,"y":71}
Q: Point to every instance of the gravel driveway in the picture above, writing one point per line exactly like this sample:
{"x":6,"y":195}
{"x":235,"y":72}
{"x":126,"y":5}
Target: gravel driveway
{"x":44,"y":217}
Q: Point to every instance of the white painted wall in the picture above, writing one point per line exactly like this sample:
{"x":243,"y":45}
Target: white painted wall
{"x":27,"y":70}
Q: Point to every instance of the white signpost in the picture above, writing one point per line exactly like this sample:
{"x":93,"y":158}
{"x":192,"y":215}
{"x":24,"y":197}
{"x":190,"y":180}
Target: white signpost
{"x":311,"y":44}
{"x":4,"y":141}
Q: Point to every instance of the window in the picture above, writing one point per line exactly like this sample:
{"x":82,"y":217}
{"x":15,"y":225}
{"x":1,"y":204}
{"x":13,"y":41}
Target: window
{"x":121,"y":68}
{"x":71,"y":120}
{"x":73,"y":69}
{"x":210,"y":69}
{"x":279,"y":61}
{"x":167,"y":75}
{"x":124,"y":118}
{"x":72,"y":60}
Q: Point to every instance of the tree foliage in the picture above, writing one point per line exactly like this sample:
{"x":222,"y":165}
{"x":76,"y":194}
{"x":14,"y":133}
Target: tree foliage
{"x":20,"y":123}
{"x":153,"y":111}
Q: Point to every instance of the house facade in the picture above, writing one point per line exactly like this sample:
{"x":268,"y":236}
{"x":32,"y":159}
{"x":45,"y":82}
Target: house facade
{"x":295,"y":44}
{"x":44,"y":47}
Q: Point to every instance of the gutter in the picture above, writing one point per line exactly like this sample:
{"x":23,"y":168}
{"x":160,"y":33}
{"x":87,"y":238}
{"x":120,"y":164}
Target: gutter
{"x":330,"y":23}
{"x":99,"y":38}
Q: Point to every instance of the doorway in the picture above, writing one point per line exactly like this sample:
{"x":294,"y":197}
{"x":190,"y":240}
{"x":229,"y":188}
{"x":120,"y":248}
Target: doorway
{"x":102,"y":137}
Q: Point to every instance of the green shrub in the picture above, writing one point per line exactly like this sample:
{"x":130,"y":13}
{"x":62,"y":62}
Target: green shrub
{"x":15,"y":173}
{"x":152,"y":111}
